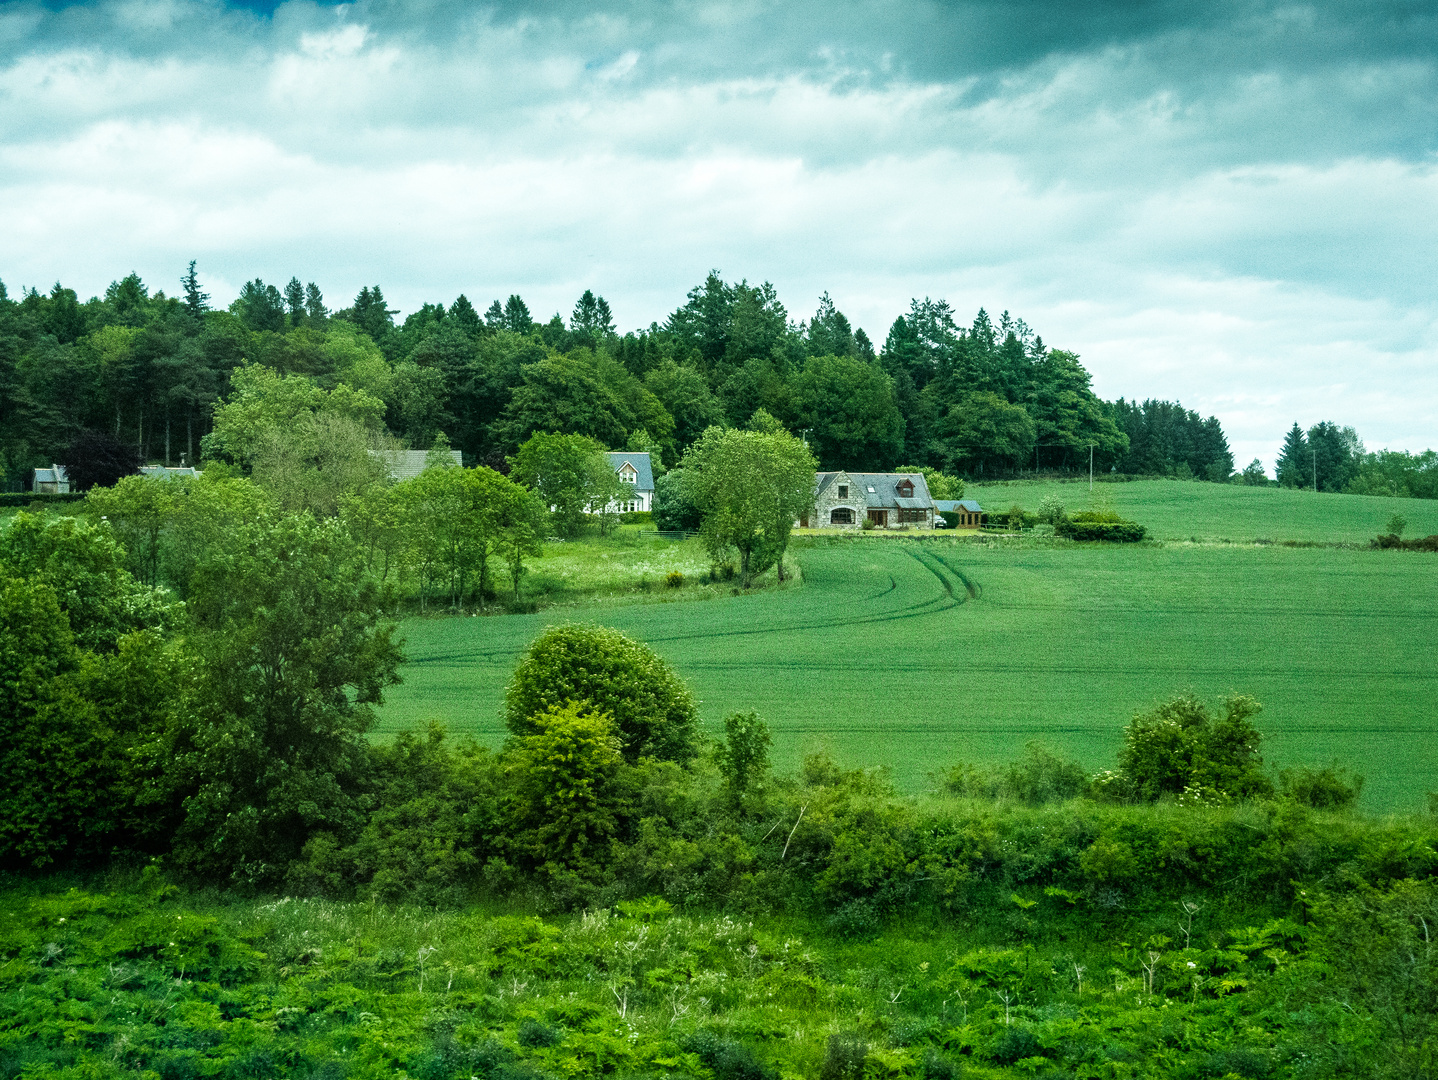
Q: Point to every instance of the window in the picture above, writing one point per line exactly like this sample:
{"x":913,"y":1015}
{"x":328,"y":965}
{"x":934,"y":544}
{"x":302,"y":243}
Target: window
{"x":905,"y":489}
{"x":913,"y":515}
{"x":843,"y":491}
{"x":841,"y":515}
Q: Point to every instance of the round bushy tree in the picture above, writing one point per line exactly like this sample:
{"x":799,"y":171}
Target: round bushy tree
{"x":653,"y":711}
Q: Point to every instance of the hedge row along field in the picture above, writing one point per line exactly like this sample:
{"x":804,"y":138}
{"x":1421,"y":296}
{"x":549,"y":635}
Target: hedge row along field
{"x":916,"y":654}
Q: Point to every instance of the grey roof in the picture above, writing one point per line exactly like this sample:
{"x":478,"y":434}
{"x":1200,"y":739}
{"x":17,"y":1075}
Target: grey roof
{"x":168,"y":472}
{"x":56,"y":474}
{"x":644,"y":481}
{"x":881,"y":489}
{"x":407,"y":464}
{"x":949,"y":506}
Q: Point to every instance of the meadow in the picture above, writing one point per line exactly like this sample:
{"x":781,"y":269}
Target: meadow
{"x":916,"y":654}
{"x":1182,"y":510}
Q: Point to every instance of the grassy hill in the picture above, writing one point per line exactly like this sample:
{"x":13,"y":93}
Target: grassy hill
{"x":1181,"y":510}
{"x":915,"y":654}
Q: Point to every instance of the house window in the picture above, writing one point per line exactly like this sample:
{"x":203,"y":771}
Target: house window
{"x":841,"y":515}
{"x":913,"y":515}
{"x":906,"y":489}
{"x":843,"y":491}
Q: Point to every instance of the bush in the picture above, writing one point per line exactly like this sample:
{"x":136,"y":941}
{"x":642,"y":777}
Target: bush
{"x":674,"y":579}
{"x":729,"y":1060}
{"x":654,"y":713}
{"x":1038,"y":778}
{"x":1178,"y":746}
{"x":1051,"y":511}
{"x":534,"y":1033}
{"x":565,"y":795}
{"x":1329,"y":788}
{"x":40,"y":499}
{"x":1088,"y":525}
{"x":1015,"y":1044}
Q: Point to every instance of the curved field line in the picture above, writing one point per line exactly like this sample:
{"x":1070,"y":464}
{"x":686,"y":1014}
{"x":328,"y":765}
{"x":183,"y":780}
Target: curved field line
{"x":944,"y":602}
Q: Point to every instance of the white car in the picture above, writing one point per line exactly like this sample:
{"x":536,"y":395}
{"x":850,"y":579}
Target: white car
{"x":940,"y":523}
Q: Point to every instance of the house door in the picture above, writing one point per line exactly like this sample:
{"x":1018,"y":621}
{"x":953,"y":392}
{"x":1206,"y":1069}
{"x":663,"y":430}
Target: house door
{"x":880,"y":518}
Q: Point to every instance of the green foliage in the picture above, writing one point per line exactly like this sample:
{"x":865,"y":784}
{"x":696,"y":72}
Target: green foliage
{"x":566,"y":792}
{"x":292,"y":650}
{"x":1179,"y":747}
{"x":1328,"y":788}
{"x":1038,"y":778}
{"x":750,"y":488}
{"x":654,"y":713}
{"x":674,"y":510}
{"x":569,"y":474}
{"x":1088,"y":525}
{"x":743,"y":756}
{"x":85,"y":568}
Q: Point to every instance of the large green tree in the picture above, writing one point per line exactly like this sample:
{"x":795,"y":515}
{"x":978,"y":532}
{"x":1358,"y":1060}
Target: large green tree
{"x":848,"y":406}
{"x":1295,"y":465}
{"x":292,"y":649}
{"x":571,"y":476}
{"x":750,"y":487}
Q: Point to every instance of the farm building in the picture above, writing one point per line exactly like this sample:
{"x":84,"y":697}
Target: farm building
{"x":407,"y":464}
{"x":971,"y":514}
{"x":634,"y":469}
{"x":845,"y":500}
{"x":52,"y":481}
{"x":170,"y":472}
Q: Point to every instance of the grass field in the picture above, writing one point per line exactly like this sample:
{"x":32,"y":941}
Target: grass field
{"x":1173,"y":509}
{"x":915,"y":654}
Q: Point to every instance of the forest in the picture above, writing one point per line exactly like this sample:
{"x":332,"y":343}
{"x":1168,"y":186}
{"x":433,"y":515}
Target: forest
{"x":148,"y":370}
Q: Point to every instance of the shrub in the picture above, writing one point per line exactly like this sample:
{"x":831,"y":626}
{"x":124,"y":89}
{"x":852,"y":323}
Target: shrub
{"x":1178,"y":745}
{"x":1051,"y":511}
{"x":1038,"y":778}
{"x":1329,"y":788}
{"x":1015,"y":1044}
{"x":654,"y":713}
{"x":674,"y":579}
{"x":743,"y":756}
{"x":1098,"y":525}
{"x":729,"y":1060}
{"x":535,"y":1033}
{"x":565,"y":791}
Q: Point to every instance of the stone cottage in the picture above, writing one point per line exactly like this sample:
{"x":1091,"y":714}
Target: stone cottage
{"x":845,"y":500}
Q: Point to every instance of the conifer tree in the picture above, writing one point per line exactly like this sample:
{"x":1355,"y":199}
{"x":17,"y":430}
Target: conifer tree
{"x":1293,"y":460}
{"x":196,"y":302}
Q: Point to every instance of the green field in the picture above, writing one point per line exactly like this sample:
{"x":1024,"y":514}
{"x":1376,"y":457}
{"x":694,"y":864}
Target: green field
{"x":1179,"y":510}
{"x":915,"y":654}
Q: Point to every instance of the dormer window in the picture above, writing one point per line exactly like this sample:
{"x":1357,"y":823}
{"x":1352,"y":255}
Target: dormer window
{"x":843,"y":491}
{"x":905,"y":489}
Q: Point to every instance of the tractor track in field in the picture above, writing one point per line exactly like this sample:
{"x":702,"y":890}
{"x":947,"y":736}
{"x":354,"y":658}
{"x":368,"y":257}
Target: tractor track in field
{"x":951,"y":598}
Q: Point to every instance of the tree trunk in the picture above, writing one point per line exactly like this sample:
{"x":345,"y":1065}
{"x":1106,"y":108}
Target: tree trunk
{"x":167,"y":438}
{"x":190,"y":435}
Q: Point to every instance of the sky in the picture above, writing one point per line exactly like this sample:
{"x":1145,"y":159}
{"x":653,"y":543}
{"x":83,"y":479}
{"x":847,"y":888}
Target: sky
{"x":1229,"y":204}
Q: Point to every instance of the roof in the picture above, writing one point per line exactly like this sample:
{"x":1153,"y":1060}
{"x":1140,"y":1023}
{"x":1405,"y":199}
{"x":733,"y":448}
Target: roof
{"x":55,"y":474}
{"x":168,"y":472}
{"x":639,"y":459}
{"x":881,"y":489}
{"x":407,"y":464}
{"x":950,"y":506}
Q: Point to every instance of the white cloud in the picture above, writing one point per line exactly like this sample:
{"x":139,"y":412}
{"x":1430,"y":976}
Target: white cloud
{"x":1254,"y":238}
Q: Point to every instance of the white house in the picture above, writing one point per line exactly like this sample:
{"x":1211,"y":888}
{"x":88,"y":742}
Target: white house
{"x":634,"y":469}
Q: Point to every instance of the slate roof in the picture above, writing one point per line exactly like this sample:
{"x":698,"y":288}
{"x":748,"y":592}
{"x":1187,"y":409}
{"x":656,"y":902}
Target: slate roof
{"x":56,"y":474}
{"x":168,"y":473}
{"x":407,"y":464}
{"x":880,"y":490}
{"x":644,"y":481}
{"x":952,"y":506}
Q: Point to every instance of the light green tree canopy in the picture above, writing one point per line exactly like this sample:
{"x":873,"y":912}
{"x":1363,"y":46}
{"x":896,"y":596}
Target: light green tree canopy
{"x":751,"y":487}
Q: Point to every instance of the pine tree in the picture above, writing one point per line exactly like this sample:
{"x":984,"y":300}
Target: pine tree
{"x":1293,"y":460}
{"x":494,"y":317}
{"x":373,"y":317}
{"x":315,"y":309}
{"x":295,"y":301}
{"x":464,"y":316}
{"x":516,"y":315}
{"x":196,"y":302}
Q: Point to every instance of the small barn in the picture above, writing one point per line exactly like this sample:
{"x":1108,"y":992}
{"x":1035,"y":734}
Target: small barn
{"x":52,"y":481}
{"x":970,"y":513}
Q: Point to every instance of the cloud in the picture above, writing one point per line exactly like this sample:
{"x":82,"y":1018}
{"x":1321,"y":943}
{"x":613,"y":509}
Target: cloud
{"x":1228,"y":204}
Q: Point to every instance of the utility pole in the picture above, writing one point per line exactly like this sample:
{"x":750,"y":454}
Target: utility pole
{"x":1315,"y":470}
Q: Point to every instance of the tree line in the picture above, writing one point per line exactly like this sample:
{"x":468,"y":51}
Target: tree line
{"x":1327,"y":457}
{"x":143,"y":373}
